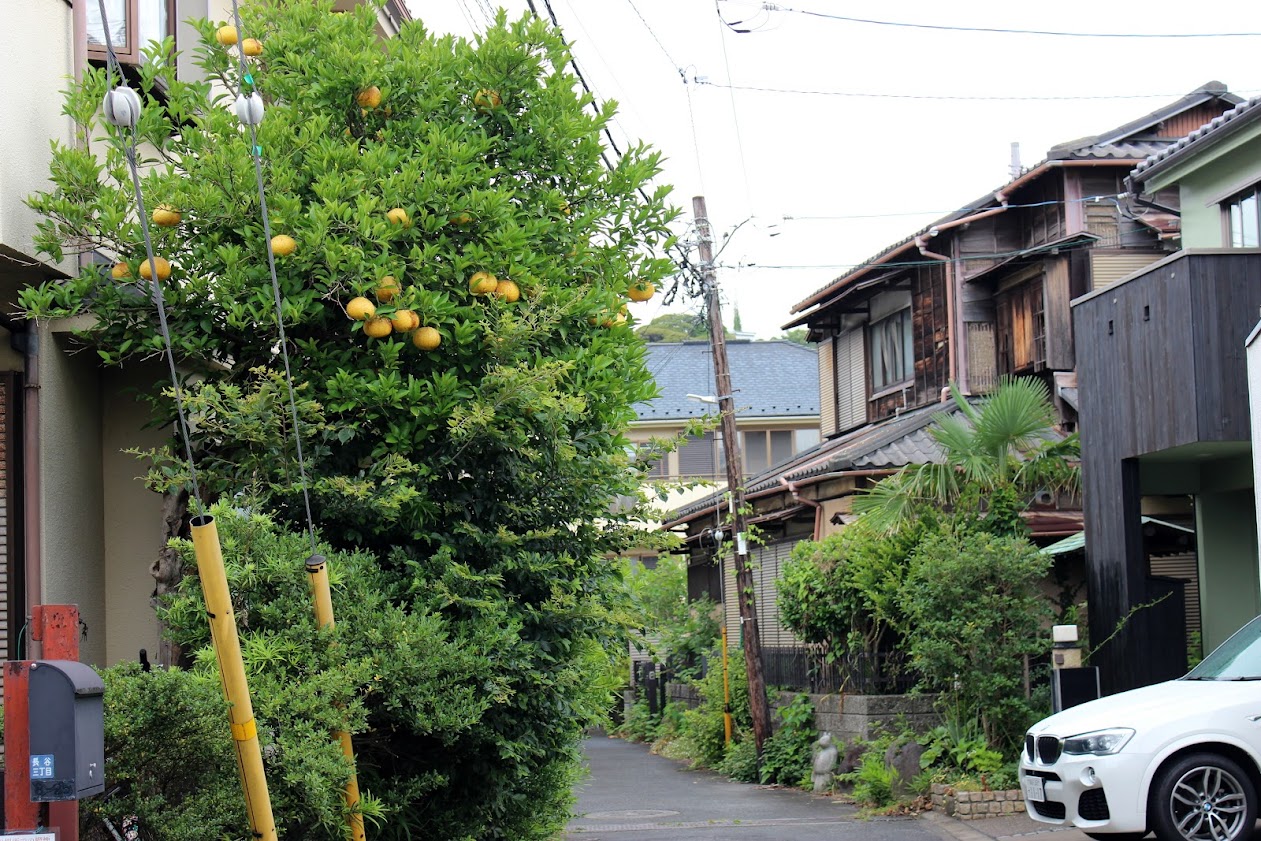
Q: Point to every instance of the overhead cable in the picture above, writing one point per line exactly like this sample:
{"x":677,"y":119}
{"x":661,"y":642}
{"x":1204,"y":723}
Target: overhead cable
{"x":772,"y":7}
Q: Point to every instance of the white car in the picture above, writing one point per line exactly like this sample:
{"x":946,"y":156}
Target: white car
{"x":1181,"y":758}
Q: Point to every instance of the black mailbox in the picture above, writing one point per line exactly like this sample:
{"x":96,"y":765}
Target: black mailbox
{"x":67,"y":731}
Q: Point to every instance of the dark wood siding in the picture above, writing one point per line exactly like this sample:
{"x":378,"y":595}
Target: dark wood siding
{"x":1160,"y":362}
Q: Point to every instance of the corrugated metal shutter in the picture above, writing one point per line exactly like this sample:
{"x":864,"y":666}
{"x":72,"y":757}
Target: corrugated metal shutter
{"x":982,"y":357}
{"x":827,"y":387}
{"x":771,"y":559}
{"x":851,"y":380}
{"x":766,"y":561}
{"x":1185,"y":567}
{"x":1107,"y":267}
{"x":696,"y":458}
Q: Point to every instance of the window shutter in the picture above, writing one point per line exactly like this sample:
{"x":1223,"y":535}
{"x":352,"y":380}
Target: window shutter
{"x":827,"y":387}
{"x":696,"y":458}
{"x":851,"y":380}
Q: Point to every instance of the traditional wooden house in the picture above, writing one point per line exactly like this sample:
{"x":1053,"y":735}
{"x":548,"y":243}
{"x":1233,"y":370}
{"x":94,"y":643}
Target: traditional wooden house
{"x":980,"y":294}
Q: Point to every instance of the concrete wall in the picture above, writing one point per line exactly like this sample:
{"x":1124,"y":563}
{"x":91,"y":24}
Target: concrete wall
{"x":846,"y":717}
{"x":1229,"y":584}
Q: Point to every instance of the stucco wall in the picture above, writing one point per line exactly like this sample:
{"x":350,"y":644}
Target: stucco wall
{"x":1254,"y":398}
{"x":72,"y":530}
{"x":133,"y":527}
{"x":1229,"y":589}
{"x":31,"y":109}
{"x":1235,"y":166}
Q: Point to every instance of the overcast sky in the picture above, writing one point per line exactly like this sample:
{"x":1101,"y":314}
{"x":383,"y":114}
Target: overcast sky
{"x":822,"y":181}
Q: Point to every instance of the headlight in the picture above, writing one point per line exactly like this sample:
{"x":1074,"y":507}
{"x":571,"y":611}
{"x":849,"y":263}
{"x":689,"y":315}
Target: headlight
{"x":1100,"y":742}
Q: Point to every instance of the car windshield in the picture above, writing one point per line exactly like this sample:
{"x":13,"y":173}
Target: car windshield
{"x":1238,"y":658}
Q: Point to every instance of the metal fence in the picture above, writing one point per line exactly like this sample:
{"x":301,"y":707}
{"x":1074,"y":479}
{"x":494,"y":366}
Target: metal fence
{"x":809,"y":670}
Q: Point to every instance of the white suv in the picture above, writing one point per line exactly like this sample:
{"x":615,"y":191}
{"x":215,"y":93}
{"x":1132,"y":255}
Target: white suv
{"x":1181,"y":758}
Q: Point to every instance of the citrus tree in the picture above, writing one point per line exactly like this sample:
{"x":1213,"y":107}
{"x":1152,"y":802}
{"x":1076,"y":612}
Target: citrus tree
{"x":453,"y":256}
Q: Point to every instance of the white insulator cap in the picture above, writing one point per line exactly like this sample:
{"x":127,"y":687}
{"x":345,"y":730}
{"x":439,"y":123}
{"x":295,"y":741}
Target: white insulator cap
{"x":121,"y":107}
{"x":249,"y":109}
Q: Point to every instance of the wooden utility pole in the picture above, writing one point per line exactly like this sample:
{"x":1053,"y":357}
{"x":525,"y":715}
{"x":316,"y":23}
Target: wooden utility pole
{"x":759,"y":707}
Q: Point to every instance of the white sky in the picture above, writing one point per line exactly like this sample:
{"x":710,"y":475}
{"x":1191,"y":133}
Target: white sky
{"x":770,"y":155}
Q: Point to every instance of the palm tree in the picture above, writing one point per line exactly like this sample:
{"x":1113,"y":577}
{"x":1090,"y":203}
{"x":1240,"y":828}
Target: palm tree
{"x":1007,"y":441}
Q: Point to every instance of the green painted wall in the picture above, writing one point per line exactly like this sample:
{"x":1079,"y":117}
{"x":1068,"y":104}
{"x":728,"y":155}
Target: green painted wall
{"x":1230,"y":586}
{"x":1230,"y":166}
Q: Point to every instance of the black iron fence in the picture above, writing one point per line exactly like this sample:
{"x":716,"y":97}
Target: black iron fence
{"x":811,"y":670}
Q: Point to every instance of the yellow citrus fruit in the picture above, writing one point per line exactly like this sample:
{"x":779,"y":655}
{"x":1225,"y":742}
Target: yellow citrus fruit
{"x":252,"y":47}
{"x":483,"y":283}
{"x":461,"y":218}
{"x":120,"y":271}
{"x":378,"y":327}
{"x":404,"y":320}
{"x":398,"y":216}
{"x":164,"y":268}
{"x":282,"y":245}
{"x":641,"y":290}
{"x":226,"y":35}
{"x":166,"y":216}
{"x":360,"y":308}
{"x":508,"y":290}
{"x":486,"y":99}
{"x":565,"y":209}
{"x":369,"y":97}
{"x":387,"y":289}
{"x":426,"y":338}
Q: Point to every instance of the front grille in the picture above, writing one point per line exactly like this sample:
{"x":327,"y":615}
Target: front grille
{"x":1029,"y":746}
{"x":1048,"y":749}
{"x":1049,"y":809}
{"x":1093,"y":805}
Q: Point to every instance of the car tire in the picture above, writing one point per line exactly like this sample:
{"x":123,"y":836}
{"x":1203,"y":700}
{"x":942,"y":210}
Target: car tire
{"x":1115,"y":836}
{"x":1203,"y":797}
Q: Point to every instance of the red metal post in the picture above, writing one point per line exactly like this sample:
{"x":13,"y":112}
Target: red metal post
{"x":57,"y":627}
{"x":19,"y":812}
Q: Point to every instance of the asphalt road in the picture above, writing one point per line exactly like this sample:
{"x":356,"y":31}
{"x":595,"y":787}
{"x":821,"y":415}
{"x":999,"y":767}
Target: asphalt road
{"x":632,"y":795}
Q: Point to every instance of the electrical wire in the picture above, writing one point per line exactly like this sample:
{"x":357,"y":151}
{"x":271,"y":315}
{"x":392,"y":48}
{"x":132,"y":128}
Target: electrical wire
{"x":735,"y":114}
{"x":1004,"y":31}
{"x":256,"y":153}
{"x":664,"y":51}
{"x":1099,"y":198}
{"x":129,"y":149}
{"x":946,"y":97}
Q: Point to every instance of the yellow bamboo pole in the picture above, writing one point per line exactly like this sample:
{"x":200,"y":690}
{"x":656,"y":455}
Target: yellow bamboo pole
{"x":726,"y":689}
{"x":322,"y":596}
{"x":249,"y":758}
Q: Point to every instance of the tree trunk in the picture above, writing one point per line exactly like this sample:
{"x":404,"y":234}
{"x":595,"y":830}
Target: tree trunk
{"x":167,"y":570}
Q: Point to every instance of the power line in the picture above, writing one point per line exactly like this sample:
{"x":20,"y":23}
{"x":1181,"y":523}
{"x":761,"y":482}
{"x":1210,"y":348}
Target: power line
{"x":735,"y":115}
{"x":906,"y":264}
{"x":1109,"y":197}
{"x":1003,"y":31}
{"x":644,"y":21}
{"x":956,"y":97}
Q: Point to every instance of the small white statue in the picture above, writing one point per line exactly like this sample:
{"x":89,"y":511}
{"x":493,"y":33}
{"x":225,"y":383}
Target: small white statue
{"x":824,"y":763}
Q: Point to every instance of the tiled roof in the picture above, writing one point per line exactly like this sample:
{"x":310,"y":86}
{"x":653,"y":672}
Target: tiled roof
{"x":770,"y":379}
{"x":890,"y":443}
{"x":1237,"y":117}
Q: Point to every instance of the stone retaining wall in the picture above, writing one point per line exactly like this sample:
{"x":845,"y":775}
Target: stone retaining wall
{"x":970,"y":805}
{"x":848,"y":717}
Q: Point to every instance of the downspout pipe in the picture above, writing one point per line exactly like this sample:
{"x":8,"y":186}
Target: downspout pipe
{"x":817,"y":506}
{"x":33,"y":568}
